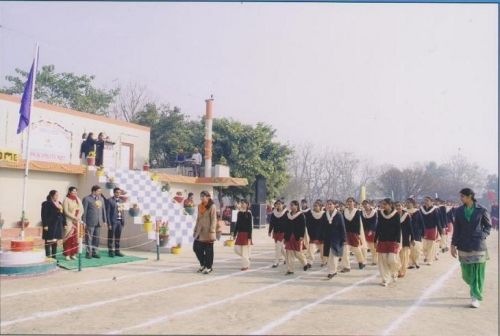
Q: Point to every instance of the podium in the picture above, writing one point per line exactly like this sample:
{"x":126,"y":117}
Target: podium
{"x":109,"y":155}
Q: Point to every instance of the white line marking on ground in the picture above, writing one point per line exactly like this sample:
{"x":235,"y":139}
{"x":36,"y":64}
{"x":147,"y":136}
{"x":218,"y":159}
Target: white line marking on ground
{"x":211,"y":304}
{"x":157,"y":270}
{"x":270,"y":326}
{"x":122,"y":298}
{"x":428,"y":292}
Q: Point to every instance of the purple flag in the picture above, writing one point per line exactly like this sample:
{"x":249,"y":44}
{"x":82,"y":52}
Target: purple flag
{"x":25,"y":110}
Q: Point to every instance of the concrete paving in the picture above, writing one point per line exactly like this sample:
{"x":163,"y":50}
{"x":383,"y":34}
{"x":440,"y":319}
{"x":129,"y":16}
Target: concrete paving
{"x":169,"y":297}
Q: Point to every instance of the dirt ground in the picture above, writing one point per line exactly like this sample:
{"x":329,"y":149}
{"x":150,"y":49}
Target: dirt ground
{"x":169,"y":297}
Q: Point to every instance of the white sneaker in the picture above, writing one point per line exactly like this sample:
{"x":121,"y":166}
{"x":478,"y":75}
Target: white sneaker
{"x":475,"y":303}
{"x":68,"y":258}
{"x":383,"y":284}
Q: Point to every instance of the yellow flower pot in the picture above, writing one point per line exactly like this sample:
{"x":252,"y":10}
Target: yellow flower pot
{"x":229,"y":242}
{"x":175,"y":250}
{"x":100,"y":172}
{"x":148,"y":226}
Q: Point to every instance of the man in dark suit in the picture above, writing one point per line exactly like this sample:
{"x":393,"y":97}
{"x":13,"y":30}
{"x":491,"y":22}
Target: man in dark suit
{"x":94,"y":216}
{"x":116,"y":221}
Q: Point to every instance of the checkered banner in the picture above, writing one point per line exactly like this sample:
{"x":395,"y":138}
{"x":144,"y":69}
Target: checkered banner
{"x":149,"y":197}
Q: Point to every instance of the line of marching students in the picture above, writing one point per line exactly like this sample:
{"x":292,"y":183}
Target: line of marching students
{"x":395,"y":234}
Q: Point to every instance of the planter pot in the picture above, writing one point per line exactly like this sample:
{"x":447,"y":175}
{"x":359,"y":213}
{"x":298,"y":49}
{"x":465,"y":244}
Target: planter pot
{"x":164,"y":240}
{"x":229,"y":242}
{"x":148,"y":226}
{"x":90,"y":161}
{"x":24,"y":224}
{"x":134,"y":212}
{"x":175,"y":250}
{"x":110,"y":185}
{"x":189,"y":210}
{"x":100,"y":173}
{"x":145,"y":167}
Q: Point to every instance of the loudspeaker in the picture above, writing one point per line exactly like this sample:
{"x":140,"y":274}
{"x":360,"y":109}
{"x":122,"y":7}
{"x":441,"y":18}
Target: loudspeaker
{"x":260,"y":189}
{"x":259,"y":213}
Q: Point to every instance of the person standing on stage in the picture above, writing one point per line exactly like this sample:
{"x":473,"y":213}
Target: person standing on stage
{"x":94,"y":217}
{"x":369,"y":219}
{"x":432,"y":225}
{"x":407,"y":240}
{"x":418,"y":232}
{"x":73,"y":211}
{"x":387,"y":240}
{"x":333,"y":236}
{"x":205,"y":233}
{"x":352,"y":219}
{"x":243,"y":234}
{"x":277,"y":225}
{"x":472,"y":227}
{"x":52,"y":223}
{"x":116,"y":221}
{"x":295,"y":230}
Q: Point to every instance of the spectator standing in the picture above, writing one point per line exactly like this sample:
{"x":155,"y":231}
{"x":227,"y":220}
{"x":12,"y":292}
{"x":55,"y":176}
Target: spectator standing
{"x":197,"y":159}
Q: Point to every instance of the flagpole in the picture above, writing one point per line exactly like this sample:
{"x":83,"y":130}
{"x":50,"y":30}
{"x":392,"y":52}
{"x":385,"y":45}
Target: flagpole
{"x":27,"y":161}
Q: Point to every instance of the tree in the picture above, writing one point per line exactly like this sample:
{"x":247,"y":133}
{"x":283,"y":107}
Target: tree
{"x":251,"y":151}
{"x":64,"y":89}
{"x":391,"y":183}
{"x":130,"y":101}
{"x":170,"y":131}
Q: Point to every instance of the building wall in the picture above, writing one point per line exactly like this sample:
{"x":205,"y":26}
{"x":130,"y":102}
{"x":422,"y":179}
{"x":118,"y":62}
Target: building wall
{"x":39,"y":185}
{"x":70,"y":124}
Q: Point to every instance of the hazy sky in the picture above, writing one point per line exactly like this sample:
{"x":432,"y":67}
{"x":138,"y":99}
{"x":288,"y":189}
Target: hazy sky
{"x":393,"y":83}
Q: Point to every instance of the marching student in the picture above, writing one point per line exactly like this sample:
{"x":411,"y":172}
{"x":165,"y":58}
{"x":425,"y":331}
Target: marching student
{"x":277,"y":225}
{"x":304,"y":207}
{"x":432,"y":225}
{"x":369,"y":219}
{"x":387,"y":238}
{"x":243,"y":234}
{"x":443,"y":242}
{"x":352,"y":219}
{"x":418,"y":232}
{"x":333,"y":234}
{"x":472,"y":227}
{"x":314,"y":225}
{"x":407,"y":239}
{"x":295,"y":230}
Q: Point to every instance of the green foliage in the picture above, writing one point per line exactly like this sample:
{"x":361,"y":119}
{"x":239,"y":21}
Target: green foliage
{"x":170,"y":131}
{"x":248,"y":150}
{"x":64,"y":89}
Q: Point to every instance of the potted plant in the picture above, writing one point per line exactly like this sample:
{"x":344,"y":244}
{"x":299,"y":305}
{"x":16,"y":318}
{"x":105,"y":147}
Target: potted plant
{"x":91,"y":158}
{"x":148,"y":225}
{"x":155,"y":177}
{"x":145,"y":167}
{"x":229,"y":242}
{"x":24,"y":223}
{"x":223,"y":161}
{"x":134,"y":211}
{"x":111,"y":183}
{"x":165,"y":187}
{"x":189,"y":208}
{"x":124,"y":196}
{"x":164,"y":234}
{"x":176,"y":249}
{"x":100,"y":171}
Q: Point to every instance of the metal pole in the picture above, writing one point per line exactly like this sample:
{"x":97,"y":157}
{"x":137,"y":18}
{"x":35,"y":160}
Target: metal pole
{"x":27,"y":161}
{"x":80,"y":245}
{"x":157,"y":242}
